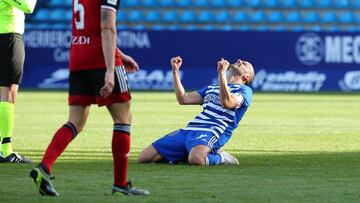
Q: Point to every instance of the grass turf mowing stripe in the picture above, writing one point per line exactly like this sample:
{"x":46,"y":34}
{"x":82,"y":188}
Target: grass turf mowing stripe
{"x":291,"y":148}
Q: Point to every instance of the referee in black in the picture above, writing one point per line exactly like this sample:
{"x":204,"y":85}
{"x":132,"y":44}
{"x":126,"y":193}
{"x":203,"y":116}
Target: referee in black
{"x":12,"y":55}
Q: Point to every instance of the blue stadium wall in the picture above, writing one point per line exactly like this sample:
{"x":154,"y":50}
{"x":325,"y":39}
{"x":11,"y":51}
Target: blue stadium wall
{"x":284,"y":61}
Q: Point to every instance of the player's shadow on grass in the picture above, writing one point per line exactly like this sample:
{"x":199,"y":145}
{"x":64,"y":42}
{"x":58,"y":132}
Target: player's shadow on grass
{"x":247,"y":158}
{"x":83,"y":175}
{"x":88,"y":172}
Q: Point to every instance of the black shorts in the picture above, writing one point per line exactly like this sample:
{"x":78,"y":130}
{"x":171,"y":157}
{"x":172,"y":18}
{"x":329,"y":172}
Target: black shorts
{"x":12,"y":56}
{"x":85,"y":85}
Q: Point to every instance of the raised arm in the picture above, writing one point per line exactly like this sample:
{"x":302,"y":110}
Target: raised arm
{"x":27,"y":6}
{"x":181,"y":96}
{"x":228,"y":101}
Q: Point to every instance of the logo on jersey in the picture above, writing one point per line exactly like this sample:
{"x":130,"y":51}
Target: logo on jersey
{"x":214,"y":98}
{"x":80,"y":40}
{"x":351,"y":81}
{"x":310,"y":49}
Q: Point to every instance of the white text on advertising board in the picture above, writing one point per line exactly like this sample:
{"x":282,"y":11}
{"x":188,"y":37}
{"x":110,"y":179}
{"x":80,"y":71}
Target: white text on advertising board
{"x":311,"y":49}
{"x":289,"y":81}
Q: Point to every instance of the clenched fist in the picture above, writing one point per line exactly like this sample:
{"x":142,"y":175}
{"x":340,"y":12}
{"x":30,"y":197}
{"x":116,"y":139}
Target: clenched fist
{"x":176,"y":63}
{"x":223,"y":65}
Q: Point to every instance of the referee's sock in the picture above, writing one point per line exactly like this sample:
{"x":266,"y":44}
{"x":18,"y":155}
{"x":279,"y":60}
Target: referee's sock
{"x":58,"y":144}
{"x":120,"y":151}
{"x":6,"y":127}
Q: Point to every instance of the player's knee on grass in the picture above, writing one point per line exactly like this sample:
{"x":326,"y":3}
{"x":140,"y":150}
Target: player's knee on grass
{"x":149,"y":155}
{"x":197,"y":159}
{"x":198,"y":154}
{"x":142,"y":158}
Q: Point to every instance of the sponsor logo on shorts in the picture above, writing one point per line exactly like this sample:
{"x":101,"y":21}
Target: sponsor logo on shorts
{"x":201,"y":136}
{"x":173,"y":133}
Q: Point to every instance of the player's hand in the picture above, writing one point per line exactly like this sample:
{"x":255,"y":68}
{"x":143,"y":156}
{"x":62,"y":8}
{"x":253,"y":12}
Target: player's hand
{"x":176,"y":63}
{"x":223,"y":65}
{"x":131,"y":66}
{"x":108,"y":87}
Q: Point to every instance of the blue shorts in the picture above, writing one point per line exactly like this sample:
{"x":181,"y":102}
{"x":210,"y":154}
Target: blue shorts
{"x":176,"y":146}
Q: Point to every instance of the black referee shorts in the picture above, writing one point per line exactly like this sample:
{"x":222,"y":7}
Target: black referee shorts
{"x":12,"y":56}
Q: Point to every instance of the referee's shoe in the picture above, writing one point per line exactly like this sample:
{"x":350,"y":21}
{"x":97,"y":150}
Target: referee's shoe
{"x":15,"y":158}
{"x":43,"y":182}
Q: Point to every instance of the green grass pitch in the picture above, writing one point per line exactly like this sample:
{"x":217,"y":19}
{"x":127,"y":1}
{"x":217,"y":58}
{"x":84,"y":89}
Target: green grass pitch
{"x":291,"y":148}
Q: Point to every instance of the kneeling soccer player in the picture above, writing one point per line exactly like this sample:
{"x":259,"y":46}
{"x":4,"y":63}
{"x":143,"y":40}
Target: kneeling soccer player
{"x":97,"y":76}
{"x":200,"y":142}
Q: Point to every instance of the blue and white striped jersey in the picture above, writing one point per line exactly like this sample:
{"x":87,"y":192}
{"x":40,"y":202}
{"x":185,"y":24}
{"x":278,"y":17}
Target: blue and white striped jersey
{"x":214,"y":117}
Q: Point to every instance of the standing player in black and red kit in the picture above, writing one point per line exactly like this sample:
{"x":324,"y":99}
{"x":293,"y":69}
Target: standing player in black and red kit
{"x":97,"y":76}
